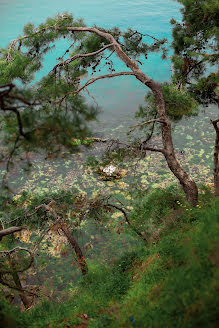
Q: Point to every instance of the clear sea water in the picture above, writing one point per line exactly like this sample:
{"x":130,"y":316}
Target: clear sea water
{"x":119,"y":98}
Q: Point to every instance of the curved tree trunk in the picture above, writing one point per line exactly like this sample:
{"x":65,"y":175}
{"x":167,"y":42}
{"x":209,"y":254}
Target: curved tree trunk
{"x":216,"y":157}
{"x":80,"y":257}
{"x":188,"y":185}
{"x":27,"y":301}
{"x":72,"y":241}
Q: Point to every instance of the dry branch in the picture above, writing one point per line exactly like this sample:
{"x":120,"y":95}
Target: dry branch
{"x":69,"y":60}
{"x":9,"y":252}
{"x":92,"y":80}
{"x":10,"y":230}
{"x":145,"y":123}
{"x":216,"y":157}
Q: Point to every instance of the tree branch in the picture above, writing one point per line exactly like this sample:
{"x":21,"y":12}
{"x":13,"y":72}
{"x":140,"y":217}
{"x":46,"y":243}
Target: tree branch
{"x":158,"y":150}
{"x":20,"y":125}
{"x":69,"y":60}
{"x":127,"y":220}
{"x":92,"y":80}
{"x":10,"y":230}
{"x":120,"y":53}
{"x":9,"y":252}
{"x":72,"y":241}
{"x":147,"y":122}
{"x":20,"y":290}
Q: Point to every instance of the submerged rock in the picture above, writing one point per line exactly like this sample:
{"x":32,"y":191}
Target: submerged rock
{"x":111,"y":171}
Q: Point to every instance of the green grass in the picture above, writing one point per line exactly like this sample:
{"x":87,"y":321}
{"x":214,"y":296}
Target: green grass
{"x":172,"y":281}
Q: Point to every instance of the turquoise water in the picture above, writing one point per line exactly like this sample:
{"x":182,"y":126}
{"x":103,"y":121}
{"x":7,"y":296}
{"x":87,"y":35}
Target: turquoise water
{"x":119,"y":98}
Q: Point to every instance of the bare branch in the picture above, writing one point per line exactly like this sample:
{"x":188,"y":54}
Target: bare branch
{"x":69,"y":60}
{"x":10,"y":230}
{"x":154,"y":149}
{"x":120,"y":53}
{"x":147,"y":122}
{"x":20,"y":290}
{"x":20,"y":125}
{"x":9,"y":252}
{"x":126,"y":219}
{"x":141,"y":34}
{"x":151,"y":134}
{"x":92,"y":80}
{"x":72,"y":241}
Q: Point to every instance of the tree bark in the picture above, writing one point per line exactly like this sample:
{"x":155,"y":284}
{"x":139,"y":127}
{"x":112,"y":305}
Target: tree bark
{"x":188,"y":184}
{"x":9,"y":231}
{"x":216,"y":158}
{"x":25,"y":300}
{"x":80,"y":257}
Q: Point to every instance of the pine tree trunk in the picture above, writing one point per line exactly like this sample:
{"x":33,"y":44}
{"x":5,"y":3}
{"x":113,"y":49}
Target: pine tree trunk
{"x":189,"y":186}
{"x":25,"y":299}
{"x":80,"y":257}
{"x":216,"y":158}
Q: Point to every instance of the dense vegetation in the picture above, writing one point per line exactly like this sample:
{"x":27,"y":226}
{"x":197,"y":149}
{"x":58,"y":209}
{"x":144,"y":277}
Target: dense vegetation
{"x":172,"y":278}
{"x":125,"y":256}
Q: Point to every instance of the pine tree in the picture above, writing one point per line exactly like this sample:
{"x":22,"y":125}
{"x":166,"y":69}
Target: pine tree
{"x":196,"y":58}
{"x":46,"y":108}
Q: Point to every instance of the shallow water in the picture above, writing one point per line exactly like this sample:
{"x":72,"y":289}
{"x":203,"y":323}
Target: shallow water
{"x":120,"y":97}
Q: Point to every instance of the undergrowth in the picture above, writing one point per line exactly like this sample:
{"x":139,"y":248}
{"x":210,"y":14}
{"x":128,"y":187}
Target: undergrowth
{"x":172,"y":280}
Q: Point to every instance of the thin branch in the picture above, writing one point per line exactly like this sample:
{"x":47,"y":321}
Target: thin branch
{"x":139,"y":33}
{"x":126,"y":219}
{"x":10,"y":230}
{"x":151,"y":134}
{"x":147,"y":122}
{"x":20,"y":125}
{"x":4,"y":179}
{"x":158,"y":150}
{"x":109,"y":55}
{"x":23,"y":291}
{"x":92,"y":80}
{"x":25,"y":101}
{"x":69,"y":60}
{"x":9,"y":252}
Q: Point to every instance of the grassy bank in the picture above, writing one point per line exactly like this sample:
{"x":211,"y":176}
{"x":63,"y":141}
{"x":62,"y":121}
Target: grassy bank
{"x":171,"y":280}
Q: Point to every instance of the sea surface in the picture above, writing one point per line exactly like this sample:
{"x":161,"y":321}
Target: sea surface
{"x":118,"y":98}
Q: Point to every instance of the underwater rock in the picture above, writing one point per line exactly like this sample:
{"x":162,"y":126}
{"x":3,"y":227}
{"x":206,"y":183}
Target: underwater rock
{"x":111,"y":172}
